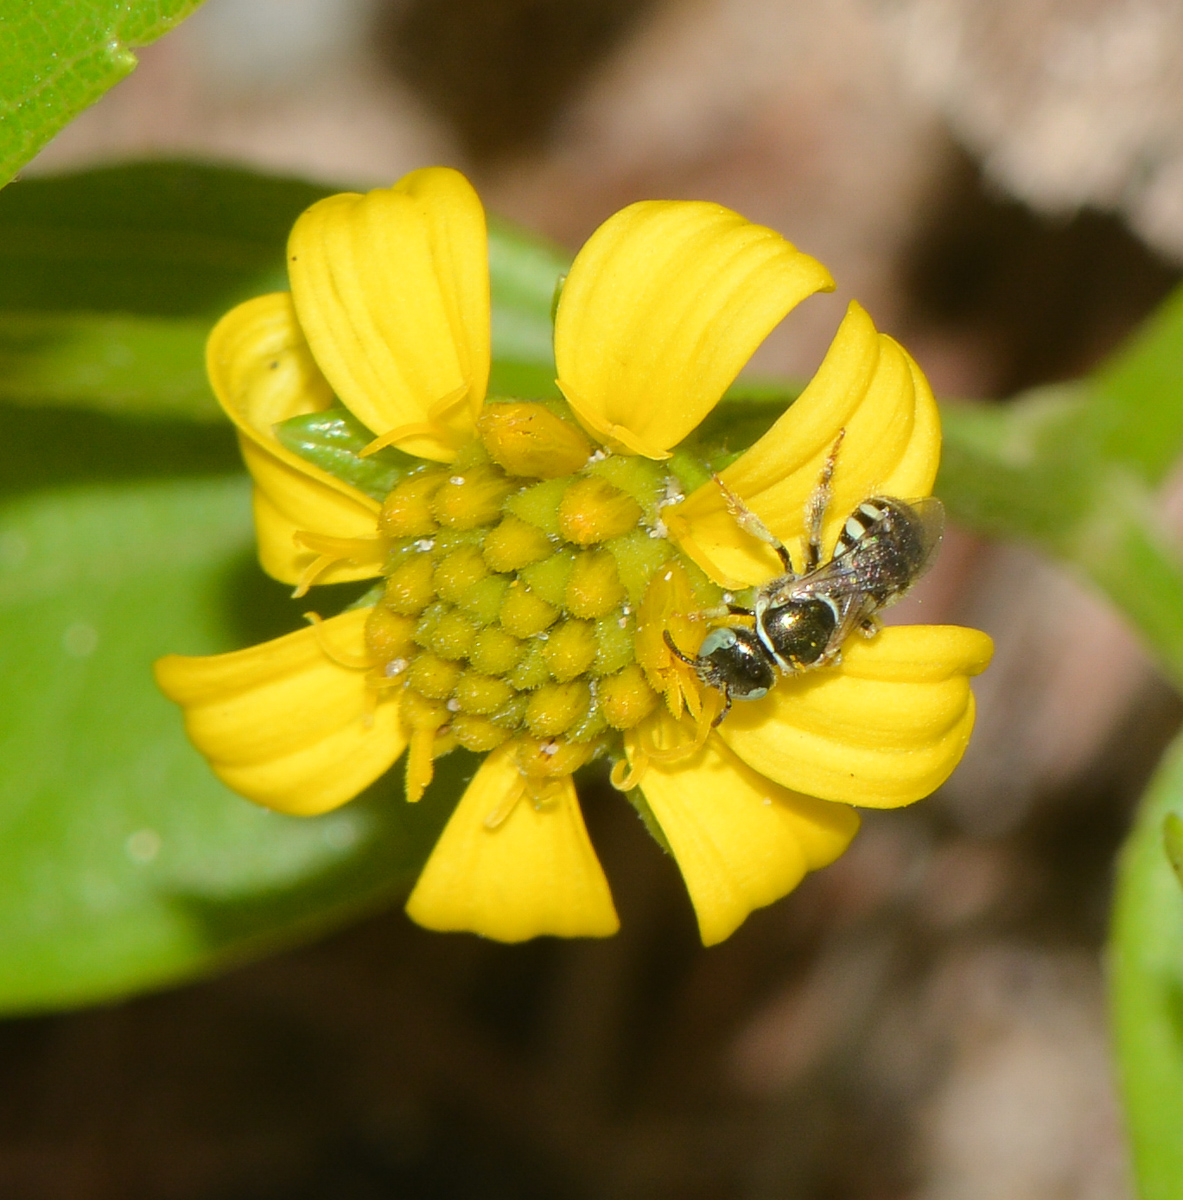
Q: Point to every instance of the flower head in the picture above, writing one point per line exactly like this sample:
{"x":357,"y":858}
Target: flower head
{"x":539,"y":558}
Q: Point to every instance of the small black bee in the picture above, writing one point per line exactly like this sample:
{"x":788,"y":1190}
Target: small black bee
{"x":802,"y":619}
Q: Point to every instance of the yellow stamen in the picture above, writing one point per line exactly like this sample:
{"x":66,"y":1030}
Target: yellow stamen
{"x":352,"y":662}
{"x":616,"y":437}
{"x":429,"y":428}
{"x":359,"y":552}
{"x":501,"y":813}
{"x":628,"y":772}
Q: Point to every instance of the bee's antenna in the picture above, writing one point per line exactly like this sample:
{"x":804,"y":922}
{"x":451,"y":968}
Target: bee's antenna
{"x":669,"y":641}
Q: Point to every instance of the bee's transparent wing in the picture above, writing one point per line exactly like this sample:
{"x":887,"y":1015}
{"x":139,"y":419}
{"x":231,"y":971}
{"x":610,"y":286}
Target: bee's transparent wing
{"x":861,"y":570}
{"x":930,"y":513}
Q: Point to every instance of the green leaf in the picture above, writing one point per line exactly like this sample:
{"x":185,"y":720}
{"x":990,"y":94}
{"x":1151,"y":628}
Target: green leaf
{"x":124,"y":864}
{"x":110,"y":280}
{"x":1146,"y":985}
{"x":334,"y":441}
{"x":160,"y":239}
{"x":62,"y":55}
{"x":109,"y":363}
{"x":1172,"y":840}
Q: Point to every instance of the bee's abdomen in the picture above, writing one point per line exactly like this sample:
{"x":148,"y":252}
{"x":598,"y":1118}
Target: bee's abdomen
{"x":885,"y":537}
{"x":864,"y":522}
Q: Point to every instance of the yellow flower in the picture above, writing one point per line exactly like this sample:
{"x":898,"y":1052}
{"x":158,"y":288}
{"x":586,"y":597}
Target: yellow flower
{"x":534,"y":554}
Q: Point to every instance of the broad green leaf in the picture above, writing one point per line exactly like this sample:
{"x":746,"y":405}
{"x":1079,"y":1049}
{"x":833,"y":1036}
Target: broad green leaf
{"x":1146,"y":984}
{"x":124,"y":864}
{"x":107,"y":362}
{"x":62,"y":55}
{"x":110,"y":280}
{"x":334,"y":441}
{"x":160,"y":239}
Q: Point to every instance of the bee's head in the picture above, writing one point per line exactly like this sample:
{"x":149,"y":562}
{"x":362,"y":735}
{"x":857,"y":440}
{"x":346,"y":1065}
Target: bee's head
{"x":733,"y":659}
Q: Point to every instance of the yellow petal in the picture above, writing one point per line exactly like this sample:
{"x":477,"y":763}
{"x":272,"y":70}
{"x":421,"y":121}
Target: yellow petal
{"x":534,"y":873}
{"x":262,"y":373}
{"x":883,"y":729}
{"x":285,"y":725}
{"x":663,"y":306}
{"x":740,"y":840}
{"x":868,"y":386}
{"x":392,"y":289}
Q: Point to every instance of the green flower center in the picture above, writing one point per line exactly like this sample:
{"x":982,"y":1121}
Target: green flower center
{"x":510,"y":604}
{"x":513,"y":580}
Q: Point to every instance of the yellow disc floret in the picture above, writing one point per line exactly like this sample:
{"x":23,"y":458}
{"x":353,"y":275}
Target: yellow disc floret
{"x":524,"y":613}
{"x":409,"y":590}
{"x":515,"y":544}
{"x":528,"y":439}
{"x":407,"y":509}
{"x":592,"y":511}
{"x":626,"y":698}
{"x":554,"y":708}
{"x":570,"y":649}
{"x":472,"y":498}
{"x":593,"y":587}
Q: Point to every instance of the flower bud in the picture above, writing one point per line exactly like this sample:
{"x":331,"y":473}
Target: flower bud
{"x":555,"y":707}
{"x":407,"y":510}
{"x":495,"y":651}
{"x":626,"y":698}
{"x":570,"y":649}
{"x":481,"y":695}
{"x":472,"y":498}
{"x":524,"y":613}
{"x":592,"y":510}
{"x":389,"y":636}
{"x":456,"y":573}
{"x":528,"y":439}
{"x":409,"y":589}
{"x":433,"y":677}
{"x":593,"y":587}
{"x":515,"y":544}
{"x":452,"y":636}
{"x":478,"y":734}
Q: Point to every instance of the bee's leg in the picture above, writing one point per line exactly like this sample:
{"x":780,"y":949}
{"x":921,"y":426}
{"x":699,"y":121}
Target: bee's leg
{"x":726,"y":706}
{"x":870,"y":626}
{"x":750,"y":523}
{"x":816,"y":505}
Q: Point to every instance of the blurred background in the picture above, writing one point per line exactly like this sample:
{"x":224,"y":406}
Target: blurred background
{"x":1001,"y":184}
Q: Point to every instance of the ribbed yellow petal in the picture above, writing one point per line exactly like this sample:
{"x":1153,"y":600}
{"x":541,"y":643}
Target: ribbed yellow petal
{"x":663,"y":306}
{"x":866,"y":385}
{"x":262,"y":373}
{"x":740,"y":840}
{"x":534,"y":873}
{"x":884,"y":729}
{"x":392,"y":289}
{"x":283,"y":723}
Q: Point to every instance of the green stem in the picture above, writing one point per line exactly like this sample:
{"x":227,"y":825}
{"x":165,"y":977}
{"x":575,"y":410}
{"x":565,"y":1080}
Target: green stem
{"x":1146,"y":988}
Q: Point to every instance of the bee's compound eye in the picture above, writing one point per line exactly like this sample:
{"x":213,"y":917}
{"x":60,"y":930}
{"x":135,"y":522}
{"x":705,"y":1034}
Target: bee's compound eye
{"x":717,"y":639}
